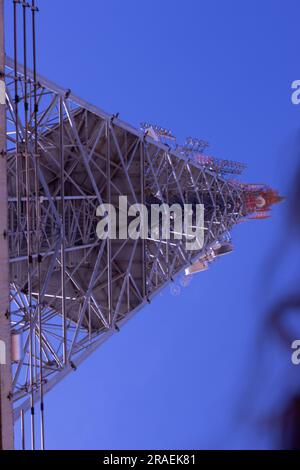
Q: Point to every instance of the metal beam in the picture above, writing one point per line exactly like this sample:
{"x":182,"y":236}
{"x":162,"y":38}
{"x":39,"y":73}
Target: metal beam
{"x":6,"y":416}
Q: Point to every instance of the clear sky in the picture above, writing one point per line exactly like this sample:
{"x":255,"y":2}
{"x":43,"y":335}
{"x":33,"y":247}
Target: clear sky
{"x":186,"y":372}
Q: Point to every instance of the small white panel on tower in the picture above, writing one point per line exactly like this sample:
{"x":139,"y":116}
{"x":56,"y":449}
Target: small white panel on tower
{"x":2,"y":92}
{"x":2,"y":353}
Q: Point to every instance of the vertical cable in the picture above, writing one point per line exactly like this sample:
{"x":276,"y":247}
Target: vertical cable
{"x":63,"y":256}
{"x":28,"y":224}
{"x":17,"y":154}
{"x":38,"y":224}
{"x":142,"y":173}
{"x":109,"y":255}
{"x":23,"y":430}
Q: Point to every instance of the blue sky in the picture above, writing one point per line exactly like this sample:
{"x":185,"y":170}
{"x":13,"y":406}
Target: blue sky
{"x":187,"y":371}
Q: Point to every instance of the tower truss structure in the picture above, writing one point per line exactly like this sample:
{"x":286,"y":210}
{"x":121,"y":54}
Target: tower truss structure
{"x":69,"y":290}
{"x":84,"y":289}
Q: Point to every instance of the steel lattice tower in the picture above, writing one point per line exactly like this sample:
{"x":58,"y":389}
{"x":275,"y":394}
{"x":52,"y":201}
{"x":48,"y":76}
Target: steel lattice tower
{"x":69,"y":290}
